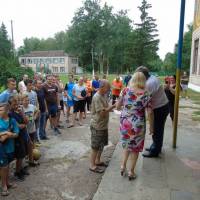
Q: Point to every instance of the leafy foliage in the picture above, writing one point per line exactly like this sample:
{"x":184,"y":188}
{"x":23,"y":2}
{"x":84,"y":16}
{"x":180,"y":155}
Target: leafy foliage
{"x":170,"y":60}
{"x":105,"y":39}
{"x":9,"y":65}
{"x":5,"y":44}
{"x":146,"y":43}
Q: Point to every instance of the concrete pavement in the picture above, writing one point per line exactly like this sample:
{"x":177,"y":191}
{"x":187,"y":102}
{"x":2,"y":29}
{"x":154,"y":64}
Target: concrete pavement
{"x":173,"y":176}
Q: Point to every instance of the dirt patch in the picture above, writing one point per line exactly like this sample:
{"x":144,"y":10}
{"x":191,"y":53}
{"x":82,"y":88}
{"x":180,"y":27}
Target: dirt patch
{"x":64,"y":173}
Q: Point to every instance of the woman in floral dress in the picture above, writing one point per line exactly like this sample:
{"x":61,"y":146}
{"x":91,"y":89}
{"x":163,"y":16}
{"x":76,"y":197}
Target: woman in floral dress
{"x":134,"y":99}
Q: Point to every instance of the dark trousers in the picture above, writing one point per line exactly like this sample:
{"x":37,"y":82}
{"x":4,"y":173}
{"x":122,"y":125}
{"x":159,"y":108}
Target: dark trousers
{"x":88,"y":102}
{"x":114,"y":99}
{"x":43,"y":118}
{"x":160,"y":116}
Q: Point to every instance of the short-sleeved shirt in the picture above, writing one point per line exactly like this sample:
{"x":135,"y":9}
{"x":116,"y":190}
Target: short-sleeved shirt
{"x":95,"y":84}
{"x":127,"y":79}
{"x":32,"y":96}
{"x":5,"y":95}
{"x":9,"y":125}
{"x":99,"y":103}
{"x":78,"y":89}
{"x":22,"y":87}
{"x":69,"y":88}
{"x":41,"y":100}
{"x":89,"y":87}
{"x":19,"y":119}
{"x":50,"y":93}
{"x":117,"y":84}
{"x":29,"y":113}
{"x":156,"y":91}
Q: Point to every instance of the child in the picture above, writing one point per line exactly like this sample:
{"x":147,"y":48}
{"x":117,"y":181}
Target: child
{"x":64,"y":95}
{"x":32,"y":95}
{"x":69,"y":96}
{"x":31,"y":112}
{"x":8,"y":131}
{"x":21,"y":142}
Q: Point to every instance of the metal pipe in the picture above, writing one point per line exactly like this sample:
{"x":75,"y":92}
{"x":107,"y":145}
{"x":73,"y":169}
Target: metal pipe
{"x":178,"y":72}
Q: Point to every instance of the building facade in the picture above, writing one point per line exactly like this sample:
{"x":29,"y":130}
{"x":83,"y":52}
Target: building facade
{"x":57,"y":62}
{"x":194,"y":82}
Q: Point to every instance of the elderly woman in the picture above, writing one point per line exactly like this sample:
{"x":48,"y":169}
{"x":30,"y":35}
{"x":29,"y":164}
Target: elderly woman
{"x":134,"y":100}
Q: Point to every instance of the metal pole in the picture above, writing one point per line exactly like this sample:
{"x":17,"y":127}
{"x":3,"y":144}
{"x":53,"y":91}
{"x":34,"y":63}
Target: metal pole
{"x":92,"y":61}
{"x":178,"y":72}
{"x":12,"y":35}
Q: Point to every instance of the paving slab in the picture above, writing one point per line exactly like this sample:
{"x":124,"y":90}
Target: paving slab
{"x":175,"y":175}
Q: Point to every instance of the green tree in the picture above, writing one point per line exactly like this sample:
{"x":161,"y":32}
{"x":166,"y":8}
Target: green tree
{"x":5,"y":43}
{"x":187,"y":42}
{"x":106,"y":39}
{"x":170,"y":61}
{"x":30,"y":44}
{"x":84,"y":31}
{"x":97,"y":30}
{"x":9,"y":65}
{"x":146,"y":43}
{"x":122,"y":43}
{"x":61,"y":40}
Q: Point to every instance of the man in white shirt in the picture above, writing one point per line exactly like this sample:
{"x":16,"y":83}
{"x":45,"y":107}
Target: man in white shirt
{"x":21,"y":84}
{"x":160,"y":109}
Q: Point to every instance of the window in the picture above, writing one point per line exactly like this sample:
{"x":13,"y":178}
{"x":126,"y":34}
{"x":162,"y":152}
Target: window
{"x":29,"y":61}
{"x":195,"y":56}
{"x":62,"y":69}
{"x":41,"y":60}
{"x":62,"y":60}
{"x":23,"y":61}
{"x":55,"y":60}
{"x":74,"y":60}
{"x":55,"y":69}
{"x":48,"y":60}
{"x":35,"y":60}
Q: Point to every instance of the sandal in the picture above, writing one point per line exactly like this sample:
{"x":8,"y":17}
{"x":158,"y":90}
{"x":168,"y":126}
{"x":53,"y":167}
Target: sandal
{"x":102,"y":164}
{"x":4,"y":193}
{"x":33,"y":164}
{"x":123,"y":171}
{"x":70,"y":126}
{"x":11,"y":186}
{"x":97,"y":170}
{"x":131,"y":176}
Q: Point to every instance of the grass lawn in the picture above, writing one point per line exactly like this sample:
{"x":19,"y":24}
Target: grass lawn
{"x":194,"y":96}
{"x":64,"y":78}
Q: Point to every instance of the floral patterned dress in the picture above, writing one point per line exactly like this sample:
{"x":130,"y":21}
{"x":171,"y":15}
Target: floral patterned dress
{"x":132,"y":119}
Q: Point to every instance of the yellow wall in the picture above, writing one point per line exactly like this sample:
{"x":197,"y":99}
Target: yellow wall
{"x":197,"y":14}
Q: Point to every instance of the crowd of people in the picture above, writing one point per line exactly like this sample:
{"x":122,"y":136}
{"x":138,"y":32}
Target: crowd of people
{"x":143,"y":93}
{"x":26,"y":108}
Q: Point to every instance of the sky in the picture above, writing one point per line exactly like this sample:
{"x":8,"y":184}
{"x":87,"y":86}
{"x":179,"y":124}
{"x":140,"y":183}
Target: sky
{"x":43,"y":18}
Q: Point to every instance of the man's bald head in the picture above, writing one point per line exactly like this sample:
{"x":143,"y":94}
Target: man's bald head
{"x":104,"y":86}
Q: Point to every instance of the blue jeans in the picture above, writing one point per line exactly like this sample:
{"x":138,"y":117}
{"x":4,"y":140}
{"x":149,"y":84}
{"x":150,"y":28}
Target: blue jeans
{"x":42,"y":131}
